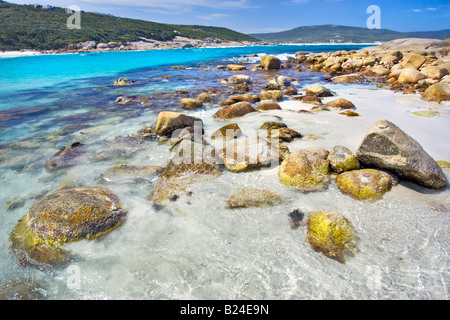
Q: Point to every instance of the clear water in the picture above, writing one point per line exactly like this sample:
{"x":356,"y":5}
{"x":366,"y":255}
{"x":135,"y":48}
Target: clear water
{"x":196,"y":248}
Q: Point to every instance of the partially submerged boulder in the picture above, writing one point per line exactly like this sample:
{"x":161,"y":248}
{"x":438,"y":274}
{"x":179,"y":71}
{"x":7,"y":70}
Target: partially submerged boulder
{"x":168,"y":122}
{"x":340,"y":104}
{"x":306,"y":170}
{"x":245,"y":197}
{"x":318,"y":91}
{"x":386,"y":146}
{"x":265,"y":105}
{"x":365,"y":184}
{"x":229,"y":131}
{"x":67,"y":215}
{"x":190,"y":104}
{"x":331,"y":234}
{"x":270,"y":62}
{"x":274,"y":95}
{"x":235,"y":110}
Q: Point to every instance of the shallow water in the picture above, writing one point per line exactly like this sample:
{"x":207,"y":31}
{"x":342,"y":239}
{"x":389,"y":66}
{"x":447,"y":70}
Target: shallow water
{"x":196,"y":248}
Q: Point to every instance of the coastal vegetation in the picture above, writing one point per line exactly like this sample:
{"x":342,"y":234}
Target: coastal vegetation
{"x":45,"y":28}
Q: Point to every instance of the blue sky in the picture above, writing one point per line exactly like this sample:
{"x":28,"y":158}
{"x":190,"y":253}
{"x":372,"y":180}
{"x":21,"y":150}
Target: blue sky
{"x":254,"y":16}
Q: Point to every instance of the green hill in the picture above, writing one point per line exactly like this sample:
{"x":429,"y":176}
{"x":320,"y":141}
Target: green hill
{"x":333,"y":33}
{"x":41,"y":28}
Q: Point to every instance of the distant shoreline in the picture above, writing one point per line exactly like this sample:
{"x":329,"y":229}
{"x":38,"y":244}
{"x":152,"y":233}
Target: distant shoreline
{"x":168,"y":46}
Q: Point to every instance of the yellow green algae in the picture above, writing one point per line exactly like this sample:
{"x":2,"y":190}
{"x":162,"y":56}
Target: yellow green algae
{"x":331,"y":234}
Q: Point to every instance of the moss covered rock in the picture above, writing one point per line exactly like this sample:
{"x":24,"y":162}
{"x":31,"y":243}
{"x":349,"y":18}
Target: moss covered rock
{"x":342,"y":159}
{"x":331,"y":234}
{"x":73,"y":214}
{"x":246,"y":197}
{"x":306,"y":170}
{"x":365,"y":184}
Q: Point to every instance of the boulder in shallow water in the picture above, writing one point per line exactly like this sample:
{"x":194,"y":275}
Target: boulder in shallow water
{"x":340,"y":104}
{"x":250,"y":153}
{"x":386,"y":146}
{"x":331,"y":234}
{"x":190,"y":104}
{"x":318,"y":91}
{"x":66,"y":157}
{"x":274,"y":95}
{"x":245,"y":197}
{"x":265,"y":105}
{"x":235,"y":110}
{"x":365,"y":184}
{"x":342,"y":159}
{"x":236,"y":67}
{"x":168,"y":122}
{"x":306,"y":170}
{"x":193,"y":162}
{"x":122,"y":82}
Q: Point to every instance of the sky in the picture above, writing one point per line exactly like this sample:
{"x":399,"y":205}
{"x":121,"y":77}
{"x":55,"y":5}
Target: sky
{"x":262,"y":16}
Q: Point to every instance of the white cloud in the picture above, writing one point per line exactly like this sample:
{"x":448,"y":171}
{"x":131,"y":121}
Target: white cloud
{"x":214,"y":16}
{"x":431,"y":9}
{"x":416,"y":10}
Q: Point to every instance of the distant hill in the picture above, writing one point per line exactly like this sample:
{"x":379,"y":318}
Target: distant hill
{"x":45,"y":28}
{"x":333,"y":33}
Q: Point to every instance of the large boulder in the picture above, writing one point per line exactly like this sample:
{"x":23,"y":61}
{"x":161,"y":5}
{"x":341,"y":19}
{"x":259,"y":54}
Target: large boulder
{"x":342,"y":159}
{"x":365,"y":184}
{"x":413,"y":61}
{"x":169,"y":121}
{"x":306,"y":170}
{"x":410,"y":76}
{"x":437,"y":92}
{"x":318,"y":91}
{"x":245,"y":197}
{"x":386,"y":146}
{"x":275,"y":95}
{"x":190,"y":104}
{"x":331,"y":234}
{"x":434,"y":72}
{"x":270,"y":62}
{"x":250,"y":153}
{"x":235,"y":110}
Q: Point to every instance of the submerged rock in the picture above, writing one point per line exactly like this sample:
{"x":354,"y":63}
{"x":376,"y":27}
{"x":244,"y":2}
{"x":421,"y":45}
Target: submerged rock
{"x":250,"y":153}
{"x":235,"y":110}
{"x":306,"y":170}
{"x":193,"y":162}
{"x":365,"y":184}
{"x":331,"y":234}
{"x":342,"y":159}
{"x":66,"y":157}
{"x":122,"y":82}
{"x":386,"y":146}
{"x":245,"y":197}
